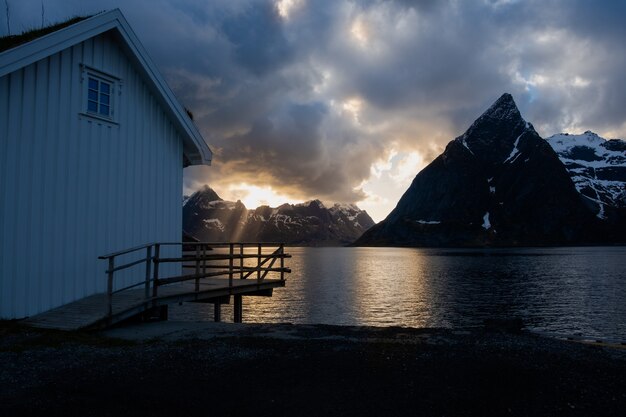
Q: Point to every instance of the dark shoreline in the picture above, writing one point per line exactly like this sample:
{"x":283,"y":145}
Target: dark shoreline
{"x":188,"y":369}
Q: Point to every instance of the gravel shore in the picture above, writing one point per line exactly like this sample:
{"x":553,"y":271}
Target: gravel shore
{"x":200,"y":369}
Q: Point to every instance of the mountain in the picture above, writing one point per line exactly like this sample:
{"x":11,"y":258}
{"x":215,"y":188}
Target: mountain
{"x":209,"y":218}
{"x":498,"y":184}
{"x":597,"y":167}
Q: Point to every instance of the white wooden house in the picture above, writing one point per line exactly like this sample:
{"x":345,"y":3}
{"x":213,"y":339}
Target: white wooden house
{"x":92,"y":149}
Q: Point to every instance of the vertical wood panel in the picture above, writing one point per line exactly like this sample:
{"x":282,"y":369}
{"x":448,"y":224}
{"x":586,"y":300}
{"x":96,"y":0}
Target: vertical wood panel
{"x":4,"y":196}
{"x":24,"y":198}
{"x":74,"y":221}
{"x":38,"y":167}
{"x":61,"y":283}
{"x":10,"y":204}
{"x":51,"y":268}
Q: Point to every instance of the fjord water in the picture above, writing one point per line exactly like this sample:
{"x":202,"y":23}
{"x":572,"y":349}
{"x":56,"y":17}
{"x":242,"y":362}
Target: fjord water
{"x":562,"y":291}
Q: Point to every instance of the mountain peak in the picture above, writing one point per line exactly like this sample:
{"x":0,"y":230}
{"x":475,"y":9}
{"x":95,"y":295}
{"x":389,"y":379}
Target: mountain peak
{"x":207,"y":193}
{"x":503,"y":108}
{"x":314,"y":203}
{"x":505,"y":99}
{"x":494,"y":135}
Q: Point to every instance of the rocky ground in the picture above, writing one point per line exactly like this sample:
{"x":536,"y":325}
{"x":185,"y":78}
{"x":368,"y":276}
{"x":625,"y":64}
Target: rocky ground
{"x":178,"y":369}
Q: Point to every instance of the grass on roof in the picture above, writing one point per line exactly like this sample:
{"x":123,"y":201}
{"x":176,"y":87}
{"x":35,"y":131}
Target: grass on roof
{"x":11,"y":41}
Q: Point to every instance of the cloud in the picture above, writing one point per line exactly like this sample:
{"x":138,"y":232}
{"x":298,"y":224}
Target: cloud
{"x":306,"y":97}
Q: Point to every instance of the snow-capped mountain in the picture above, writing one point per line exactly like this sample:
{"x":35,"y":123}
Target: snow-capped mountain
{"x":209,"y":218}
{"x":498,"y":184}
{"x":598,"y":168}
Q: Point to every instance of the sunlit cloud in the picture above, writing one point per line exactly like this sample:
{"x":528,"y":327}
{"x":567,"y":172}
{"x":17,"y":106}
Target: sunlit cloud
{"x":383,"y":165}
{"x":405,"y":169}
{"x":253,"y":196}
{"x":389,"y":178}
{"x":581,"y":82}
{"x":353,"y":107}
{"x":287,"y":7}
{"x":360,"y":31}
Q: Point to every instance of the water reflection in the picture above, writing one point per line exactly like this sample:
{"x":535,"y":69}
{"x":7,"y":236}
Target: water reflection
{"x":557,"y":290}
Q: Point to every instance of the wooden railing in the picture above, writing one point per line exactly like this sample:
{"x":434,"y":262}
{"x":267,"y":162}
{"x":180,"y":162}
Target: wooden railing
{"x":242,"y":260}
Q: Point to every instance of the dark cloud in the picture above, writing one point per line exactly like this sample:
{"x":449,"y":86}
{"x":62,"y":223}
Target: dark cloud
{"x":308,"y":102}
{"x":257,"y":38}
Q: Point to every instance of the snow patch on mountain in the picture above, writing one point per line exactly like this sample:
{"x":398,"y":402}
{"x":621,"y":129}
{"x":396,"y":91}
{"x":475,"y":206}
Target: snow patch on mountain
{"x":486,"y":223}
{"x":428,"y":222}
{"x":515,"y":151}
{"x":596,"y":165}
{"x":464,"y":142}
{"x":216,"y":223}
{"x":587,"y":150}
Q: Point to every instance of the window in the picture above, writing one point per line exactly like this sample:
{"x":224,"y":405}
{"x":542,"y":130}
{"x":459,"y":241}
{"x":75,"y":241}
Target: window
{"x":99,"y":97}
{"x":101,"y":92}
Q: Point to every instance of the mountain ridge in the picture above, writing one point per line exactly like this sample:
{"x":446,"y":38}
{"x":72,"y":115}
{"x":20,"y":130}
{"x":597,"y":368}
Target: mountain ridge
{"x":209,"y":218}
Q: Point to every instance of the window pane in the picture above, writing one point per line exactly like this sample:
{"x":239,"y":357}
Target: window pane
{"x":92,"y":106}
{"x":93,"y":84}
{"x":104,"y":110}
{"x":105,"y":87}
{"x":92,"y":95}
{"x":104,"y":99}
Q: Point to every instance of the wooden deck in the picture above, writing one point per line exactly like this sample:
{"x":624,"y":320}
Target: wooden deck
{"x":212,"y":280}
{"x":92,"y":312}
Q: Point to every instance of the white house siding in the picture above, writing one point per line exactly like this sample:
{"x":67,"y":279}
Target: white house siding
{"x":73,"y":188}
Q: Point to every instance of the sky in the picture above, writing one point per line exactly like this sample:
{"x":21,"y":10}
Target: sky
{"x":346,"y":101}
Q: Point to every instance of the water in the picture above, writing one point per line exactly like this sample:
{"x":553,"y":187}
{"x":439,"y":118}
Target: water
{"x":561,"y":291}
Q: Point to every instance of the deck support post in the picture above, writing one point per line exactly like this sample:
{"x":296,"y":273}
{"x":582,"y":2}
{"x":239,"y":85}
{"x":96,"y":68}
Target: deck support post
{"x":241,"y":261}
{"x":217,"y":312}
{"x":203,"y":264}
{"x":230,"y":265}
{"x":155,"y":282}
{"x":238,"y":309}
{"x":258,"y":264}
{"x":197,"y":268}
{"x":163,"y":312}
{"x":282,"y":262}
{"x":148,"y":271}
{"x":110,"y":273}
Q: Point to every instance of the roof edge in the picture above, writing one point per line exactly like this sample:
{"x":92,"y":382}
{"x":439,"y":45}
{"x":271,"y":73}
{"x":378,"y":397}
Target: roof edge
{"x":196,"y":150}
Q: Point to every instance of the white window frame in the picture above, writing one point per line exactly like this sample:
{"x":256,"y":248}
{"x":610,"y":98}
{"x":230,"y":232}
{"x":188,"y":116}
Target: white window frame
{"x":115,"y":91}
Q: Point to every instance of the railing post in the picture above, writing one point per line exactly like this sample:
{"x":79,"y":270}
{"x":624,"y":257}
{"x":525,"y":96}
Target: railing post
{"x":241,"y":261}
{"x":110,"y":273}
{"x":148,"y":271}
{"x":258,"y":265}
{"x":282,"y":262}
{"x":197,"y":268}
{"x":155,"y":283}
{"x":204,"y":260}
{"x":230,"y":265}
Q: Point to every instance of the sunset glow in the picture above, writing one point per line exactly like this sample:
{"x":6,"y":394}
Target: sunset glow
{"x":389,"y":178}
{"x":253,"y":196}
